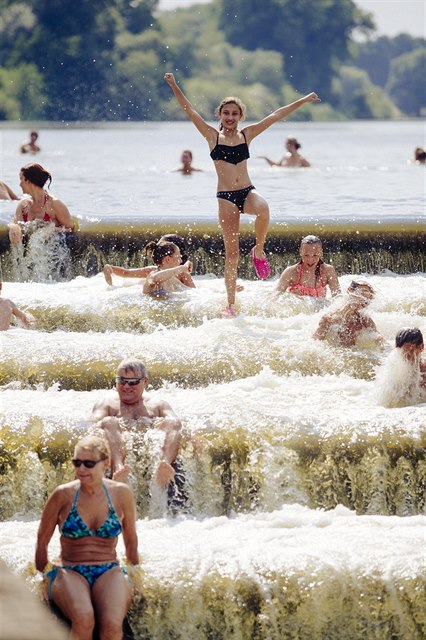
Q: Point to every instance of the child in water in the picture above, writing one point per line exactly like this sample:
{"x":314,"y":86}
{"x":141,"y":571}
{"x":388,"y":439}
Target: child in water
{"x":343,"y":325}
{"x":143,"y":272}
{"x":402,"y":379}
{"x":170,"y":274}
{"x":9,"y":310}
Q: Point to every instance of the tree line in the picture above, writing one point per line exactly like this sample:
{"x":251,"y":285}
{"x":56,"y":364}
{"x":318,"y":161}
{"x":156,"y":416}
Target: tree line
{"x":62,"y":60}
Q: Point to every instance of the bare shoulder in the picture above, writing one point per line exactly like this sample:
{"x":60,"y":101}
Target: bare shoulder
{"x":156,"y":406}
{"x":119,"y":490}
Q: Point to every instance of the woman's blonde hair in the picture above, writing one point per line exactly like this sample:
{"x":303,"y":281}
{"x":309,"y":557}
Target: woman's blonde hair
{"x":95,"y":444}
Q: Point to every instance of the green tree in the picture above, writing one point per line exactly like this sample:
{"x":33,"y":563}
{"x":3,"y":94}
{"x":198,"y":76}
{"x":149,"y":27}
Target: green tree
{"x":406,"y":84}
{"x":358,"y":98}
{"x":376,"y":56}
{"x":21,"y":93}
{"x":312,"y":35}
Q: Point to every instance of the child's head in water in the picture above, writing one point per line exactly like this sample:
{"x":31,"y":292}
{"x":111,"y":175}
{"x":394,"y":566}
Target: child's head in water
{"x":159,"y":251}
{"x":410,"y":341}
{"x":173,"y":238}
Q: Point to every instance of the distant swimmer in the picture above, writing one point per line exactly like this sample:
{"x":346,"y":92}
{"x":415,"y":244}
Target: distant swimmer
{"x":31,"y":146}
{"x":401,"y":381}
{"x":9,"y":311}
{"x":187,"y":167}
{"x":41,"y":206}
{"x":170,"y":274}
{"x":343,"y":325}
{"x":143,"y":272}
{"x":6,"y":192}
{"x":419,"y":156}
{"x":292,"y":158}
{"x":311,"y":276}
{"x":229,"y":149}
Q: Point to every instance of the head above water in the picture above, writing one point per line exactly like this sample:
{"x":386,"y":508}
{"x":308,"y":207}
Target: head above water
{"x":311,"y":253}
{"x":291,"y":140}
{"x":409,"y":335}
{"x":361,"y":290}
{"x":186,"y":156}
{"x":231,"y":101}
{"x":179,"y":242}
{"x":160,"y":250}
{"x":94,"y":445}
{"x":36,"y":174}
{"x":132,"y":366}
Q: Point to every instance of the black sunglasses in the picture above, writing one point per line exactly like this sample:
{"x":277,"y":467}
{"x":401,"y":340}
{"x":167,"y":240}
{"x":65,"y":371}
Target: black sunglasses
{"x":132,"y":382}
{"x":89,"y":464}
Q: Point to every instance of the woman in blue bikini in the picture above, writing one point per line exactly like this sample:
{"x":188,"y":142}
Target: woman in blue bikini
{"x":90,"y":513}
{"x":229,"y":149}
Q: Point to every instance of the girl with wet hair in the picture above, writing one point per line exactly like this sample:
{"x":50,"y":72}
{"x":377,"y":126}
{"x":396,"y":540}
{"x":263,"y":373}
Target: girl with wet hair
{"x":143,"y":272}
{"x":229,"y":149}
{"x":41,"y":207}
{"x":311,"y":275}
{"x":165,"y":278}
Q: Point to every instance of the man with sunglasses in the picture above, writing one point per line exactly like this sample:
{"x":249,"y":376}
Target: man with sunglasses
{"x":129,"y":403}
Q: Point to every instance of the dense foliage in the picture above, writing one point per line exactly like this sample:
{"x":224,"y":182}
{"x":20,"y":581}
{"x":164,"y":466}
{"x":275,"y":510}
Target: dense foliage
{"x":105,"y":59}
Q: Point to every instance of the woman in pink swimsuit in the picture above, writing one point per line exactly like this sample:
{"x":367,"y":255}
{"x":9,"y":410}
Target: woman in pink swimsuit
{"x":311,"y":276}
{"x":41,"y":205}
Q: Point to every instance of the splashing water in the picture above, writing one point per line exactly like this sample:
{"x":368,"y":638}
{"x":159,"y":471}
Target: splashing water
{"x":43,"y":257}
{"x":398,"y":381}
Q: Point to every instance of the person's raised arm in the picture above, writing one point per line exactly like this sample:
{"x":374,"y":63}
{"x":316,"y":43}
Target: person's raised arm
{"x":169,"y":422}
{"x":253,"y":130}
{"x":323,"y":327}
{"x":130,"y":537}
{"x":205,"y":129}
{"x":100,"y":410}
{"x":48,"y":522}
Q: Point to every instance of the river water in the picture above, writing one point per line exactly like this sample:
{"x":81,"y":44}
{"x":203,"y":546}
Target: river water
{"x":305,"y":511}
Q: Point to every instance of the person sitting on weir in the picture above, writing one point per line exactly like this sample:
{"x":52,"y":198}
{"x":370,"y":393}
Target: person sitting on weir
{"x":292,"y":158}
{"x":130,"y":403}
{"x":88,"y":584}
{"x":143,"y":272}
{"x":343,"y":325}
{"x":41,"y":206}
{"x":311,"y":276}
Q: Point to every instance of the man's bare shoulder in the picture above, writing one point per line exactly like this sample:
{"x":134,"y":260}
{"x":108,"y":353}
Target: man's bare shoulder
{"x":110,"y":404}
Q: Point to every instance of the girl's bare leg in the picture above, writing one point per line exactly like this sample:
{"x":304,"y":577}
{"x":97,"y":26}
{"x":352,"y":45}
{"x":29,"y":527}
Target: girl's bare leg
{"x":229,"y":218}
{"x":256,"y":204}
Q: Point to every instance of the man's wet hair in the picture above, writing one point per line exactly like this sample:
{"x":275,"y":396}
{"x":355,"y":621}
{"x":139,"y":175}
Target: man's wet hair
{"x":407,"y":335}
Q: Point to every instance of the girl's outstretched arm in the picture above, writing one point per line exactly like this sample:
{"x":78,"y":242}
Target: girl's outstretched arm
{"x":205,"y":129}
{"x":253,"y":130}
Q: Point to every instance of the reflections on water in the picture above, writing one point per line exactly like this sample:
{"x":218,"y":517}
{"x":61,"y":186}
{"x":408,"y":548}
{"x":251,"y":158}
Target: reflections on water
{"x":277,"y":428}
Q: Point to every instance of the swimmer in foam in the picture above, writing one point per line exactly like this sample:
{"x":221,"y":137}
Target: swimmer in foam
{"x":170,"y":274}
{"x":343,"y":325}
{"x":401,"y":381}
{"x":229,"y":149}
{"x":143,"y":272}
{"x":311,"y":276}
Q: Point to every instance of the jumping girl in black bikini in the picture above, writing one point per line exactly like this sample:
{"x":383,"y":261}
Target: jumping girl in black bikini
{"x":229,"y":149}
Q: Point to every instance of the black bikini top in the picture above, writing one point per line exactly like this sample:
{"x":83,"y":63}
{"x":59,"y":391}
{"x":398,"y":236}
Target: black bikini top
{"x":233,"y":155}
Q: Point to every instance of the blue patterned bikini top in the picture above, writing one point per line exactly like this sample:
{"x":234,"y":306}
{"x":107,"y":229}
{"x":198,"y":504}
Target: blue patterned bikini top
{"x":75,"y":527}
{"x":228,"y":153}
